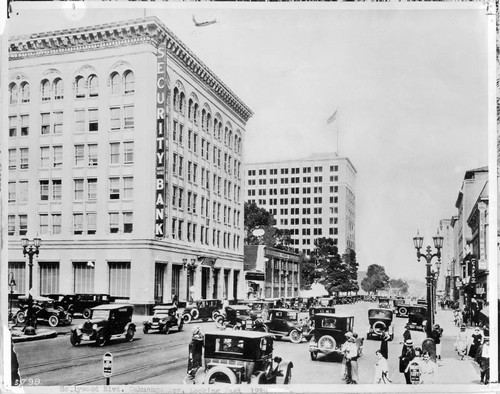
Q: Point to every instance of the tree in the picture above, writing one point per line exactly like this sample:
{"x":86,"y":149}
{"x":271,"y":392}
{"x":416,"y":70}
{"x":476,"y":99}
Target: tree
{"x":399,"y":284}
{"x":333,"y":273}
{"x":256,"y":217}
{"x":349,"y":258}
{"x":376,"y":279}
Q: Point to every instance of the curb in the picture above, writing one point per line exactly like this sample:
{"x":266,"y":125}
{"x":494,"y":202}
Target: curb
{"x":25,"y":338}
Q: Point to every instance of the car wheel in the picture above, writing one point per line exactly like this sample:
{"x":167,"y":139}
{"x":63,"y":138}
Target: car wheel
{"x":402,"y":311}
{"x":237,"y":327}
{"x":21,"y":317}
{"x":220,"y":374}
{"x":53,"y":321}
{"x":71,"y":309}
{"x":314,"y":355}
{"x":296,"y":336}
{"x":75,"y":339}
{"x":214,"y":315}
{"x":69,"y":319}
{"x":195,"y":313}
{"x":186,"y":317}
{"x":130,"y":334}
{"x":219,"y":322}
{"x":101,"y":339}
{"x":327,"y":342}
{"x":145,"y":329}
{"x":86,"y":313}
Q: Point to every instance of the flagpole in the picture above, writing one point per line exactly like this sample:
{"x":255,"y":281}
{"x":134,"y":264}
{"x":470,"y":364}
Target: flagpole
{"x":338,"y":120}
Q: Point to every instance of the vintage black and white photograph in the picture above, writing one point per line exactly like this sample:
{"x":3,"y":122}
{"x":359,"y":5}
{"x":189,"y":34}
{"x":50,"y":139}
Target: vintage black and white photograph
{"x":270,"y":196}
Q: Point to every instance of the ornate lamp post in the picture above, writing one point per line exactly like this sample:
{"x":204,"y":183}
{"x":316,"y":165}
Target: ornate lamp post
{"x":189,"y":267}
{"x":30,"y":248}
{"x":438,"y":244}
{"x":12,"y":284}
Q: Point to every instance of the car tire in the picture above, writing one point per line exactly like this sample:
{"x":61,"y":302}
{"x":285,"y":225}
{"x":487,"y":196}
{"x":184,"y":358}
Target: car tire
{"x":71,"y":309}
{"x":195,"y":314}
{"x":379,"y":327}
{"x":402,"y":311}
{"x":129,"y":336}
{"x":101,"y":339}
{"x":260,"y":378}
{"x":86,"y":313}
{"x":314,"y":355}
{"x":295,"y":336}
{"x":145,"y":329}
{"x":75,"y":339}
{"x":327,"y":342}
{"x":219,"y":322}
{"x":214,"y":315}
{"x":53,"y":321}
{"x":220,"y":374}
{"x":186,"y":317}
{"x":21,"y":317}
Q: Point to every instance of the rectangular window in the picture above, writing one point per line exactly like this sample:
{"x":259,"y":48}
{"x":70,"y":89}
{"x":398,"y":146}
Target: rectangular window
{"x":56,"y":189}
{"x":79,"y":121}
{"x":24,"y":125}
{"x":181,"y":169}
{"x":11,"y":224}
{"x":127,"y":222}
{"x":23,"y":191}
{"x":18,"y":269}
{"x":44,"y":190}
{"x":83,"y":277}
{"x":49,"y":277}
{"x":114,"y":188}
{"x":58,"y":155}
{"x":91,"y":223}
{"x":179,"y":229}
{"x":79,"y":155}
{"x":12,"y":126}
{"x":92,"y":189}
{"x":128,"y":187}
{"x":181,"y":134}
{"x":56,"y":223}
{"x":78,"y":195}
{"x":114,"y":222}
{"x":174,"y":164}
{"x":12,"y":159}
{"x":93,"y":120}
{"x":119,"y":279}
{"x":44,"y":223}
{"x":128,"y":148}
{"x":12,"y":192}
{"x":58,"y":122}
{"x":78,"y":223}
{"x":115,"y":123}
{"x":195,"y":170}
{"x":92,"y":155}
{"x":195,"y":143}
{"x":45,"y":123}
{"x":44,"y":157}
{"x":114,"y":153}
{"x":128,"y":116}
{"x":24,"y":158}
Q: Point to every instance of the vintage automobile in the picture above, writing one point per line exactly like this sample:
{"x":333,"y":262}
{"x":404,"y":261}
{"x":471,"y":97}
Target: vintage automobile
{"x":260,"y":308}
{"x":401,"y":308}
{"x":421,"y":301}
{"x":384,"y":302}
{"x":286,"y":323}
{"x":44,"y":309}
{"x":164,"y":318}
{"x":202,"y":309}
{"x":380,"y":320}
{"x":236,"y":357}
{"x":105,"y":323}
{"x":327,"y":301}
{"x":237,"y":317}
{"x":80,"y":303}
{"x":320,"y":309}
{"x":329,"y":333}
{"x":417,"y":317}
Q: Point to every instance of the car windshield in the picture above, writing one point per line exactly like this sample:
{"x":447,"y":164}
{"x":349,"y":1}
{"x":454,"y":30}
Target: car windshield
{"x":161,"y":314}
{"x":100,"y":314}
{"x":242,"y":312}
{"x":329,"y":322}
{"x":229,"y":345}
{"x":379,"y":314}
{"x":292,"y":316}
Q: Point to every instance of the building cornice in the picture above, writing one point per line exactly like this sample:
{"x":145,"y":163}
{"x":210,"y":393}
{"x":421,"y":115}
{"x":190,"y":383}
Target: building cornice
{"x":118,"y":34}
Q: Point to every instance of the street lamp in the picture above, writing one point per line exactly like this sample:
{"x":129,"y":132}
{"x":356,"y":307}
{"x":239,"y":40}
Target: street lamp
{"x":438,"y":244}
{"x":189,"y":267}
{"x":12,"y":284}
{"x":30,"y":248}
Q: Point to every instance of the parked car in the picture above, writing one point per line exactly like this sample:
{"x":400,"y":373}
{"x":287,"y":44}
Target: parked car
{"x":417,"y":317}
{"x":105,"y":323}
{"x":237,"y":317}
{"x":384,"y":302}
{"x":202,"y":309}
{"x":421,"y":301}
{"x":237,"y":357}
{"x":327,"y":301}
{"x":286,"y":323}
{"x":164,"y":318}
{"x":401,"y":309}
{"x":260,"y":309}
{"x":320,"y":309}
{"x":380,"y":320}
{"x":80,"y":303}
{"x":329,"y":333}
{"x":44,"y":309}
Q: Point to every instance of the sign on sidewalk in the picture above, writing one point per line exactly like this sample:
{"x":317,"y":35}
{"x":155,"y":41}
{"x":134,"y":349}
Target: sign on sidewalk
{"x":107,"y":365}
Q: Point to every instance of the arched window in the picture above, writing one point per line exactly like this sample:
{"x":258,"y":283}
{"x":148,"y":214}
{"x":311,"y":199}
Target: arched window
{"x":115,"y":83}
{"x":195,"y":112}
{"x":129,"y":82}
{"x":25,"y":92}
{"x":230,"y":140}
{"x":93,"y":86}
{"x":225,"y":136}
{"x":58,"y":89}
{"x":216,"y":126}
{"x":45,"y":90}
{"x":219,"y":131}
{"x":13,"y":93}
{"x":203,"y":117}
{"x":182,"y":102}
{"x":176,"y":97}
{"x":80,"y":86}
{"x":209,"y":121}
{"x":190,"y":109}
{"x":236,"y":139}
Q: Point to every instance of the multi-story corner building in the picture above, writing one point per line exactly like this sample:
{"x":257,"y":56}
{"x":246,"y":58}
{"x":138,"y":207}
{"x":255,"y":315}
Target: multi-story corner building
{"x":473,"y":186}
{"x":125,"y":158}
{"x":444,"y":281}
{"x":313,"y":197}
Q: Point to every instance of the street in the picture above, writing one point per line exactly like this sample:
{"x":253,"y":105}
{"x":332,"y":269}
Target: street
{"x":162,"y":359}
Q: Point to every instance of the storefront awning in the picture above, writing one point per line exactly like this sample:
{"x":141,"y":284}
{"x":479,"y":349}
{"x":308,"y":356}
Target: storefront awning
{"x":255,"y":275}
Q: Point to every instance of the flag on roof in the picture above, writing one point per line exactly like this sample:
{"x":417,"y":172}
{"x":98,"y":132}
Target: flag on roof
{"x":332,"y":118}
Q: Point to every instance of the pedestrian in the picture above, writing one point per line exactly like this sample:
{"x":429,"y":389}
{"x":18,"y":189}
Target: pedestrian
{"x":384,"y":348}
{"x":351,"y":355}
{"x":407,"y":354}
{"x":381,"y":369}
{"x":456,"y":317}
{"x":414,"y":368}
{"x":175,"y":300}
{"x":428,"y":369}
{"x":195,"y":352}
{"x":476,"y":341}
{"x":461,"y":342}
{"x":483,"y":359}
{"x":436,"y":334}
{"x":359,"y":343}
{"x":343,"y":351}
{"x":406,"y":333}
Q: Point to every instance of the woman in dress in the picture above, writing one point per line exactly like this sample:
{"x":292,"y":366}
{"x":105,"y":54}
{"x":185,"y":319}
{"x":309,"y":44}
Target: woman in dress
{"x":381,"y":369}
{"x":461,"y":342}
{"x":384,"y":348}
{"x":477,"y":340}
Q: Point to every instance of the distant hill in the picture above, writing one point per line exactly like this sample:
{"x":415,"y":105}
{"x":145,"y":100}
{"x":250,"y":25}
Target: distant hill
{"x":417,"y":288}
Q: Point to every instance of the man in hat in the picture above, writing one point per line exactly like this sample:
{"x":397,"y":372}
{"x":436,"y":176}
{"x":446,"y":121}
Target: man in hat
{"x":343,"y":350}
{"x":351,"y":355}
{"x":483,"y":359}
{"x":436,"y":334}
{"x":407,"y":355}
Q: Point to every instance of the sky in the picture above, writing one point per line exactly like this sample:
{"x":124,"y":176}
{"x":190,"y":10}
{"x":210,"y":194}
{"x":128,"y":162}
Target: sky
{"x":409,"y":85}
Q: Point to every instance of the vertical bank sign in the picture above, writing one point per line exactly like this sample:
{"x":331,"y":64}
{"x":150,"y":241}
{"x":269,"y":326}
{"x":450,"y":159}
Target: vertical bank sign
{"x":161,"y":121}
